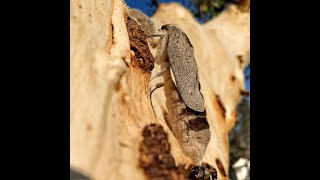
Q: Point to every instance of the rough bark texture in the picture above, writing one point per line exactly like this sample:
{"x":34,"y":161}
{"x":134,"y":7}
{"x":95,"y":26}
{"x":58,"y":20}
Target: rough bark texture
{"x":110,"y":108}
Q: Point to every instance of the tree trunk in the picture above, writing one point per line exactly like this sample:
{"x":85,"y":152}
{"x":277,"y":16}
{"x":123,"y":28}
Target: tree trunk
{"x":110,"y":106}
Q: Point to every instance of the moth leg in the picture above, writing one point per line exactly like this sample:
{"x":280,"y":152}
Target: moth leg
{"x":158,"y":85}
{"x":155,"y":35}
{"x":154,"y":39}
{"x":165,"y":66}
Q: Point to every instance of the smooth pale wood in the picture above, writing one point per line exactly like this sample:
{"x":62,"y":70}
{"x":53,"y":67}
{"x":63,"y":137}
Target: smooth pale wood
{"x":109,"y":103}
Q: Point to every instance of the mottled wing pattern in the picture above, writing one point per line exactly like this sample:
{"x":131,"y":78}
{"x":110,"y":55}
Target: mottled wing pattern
{"x":184,"y":67}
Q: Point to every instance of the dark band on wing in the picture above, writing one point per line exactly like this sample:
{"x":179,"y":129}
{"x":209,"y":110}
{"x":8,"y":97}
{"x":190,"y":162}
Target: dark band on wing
{"x":198,"y":124}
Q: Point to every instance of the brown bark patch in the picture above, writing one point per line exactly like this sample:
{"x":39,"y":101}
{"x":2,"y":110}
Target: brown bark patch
{"x":240,"y":60}
{"x":223,"y":109}
{"x":211,"y":170}
{"x":138,"y":44}
{"x":233,"y":78}
{"x":208,"y":172}
{"x":155,"y":158}
{"x":221,"y":168}
{"x":244,"y":93}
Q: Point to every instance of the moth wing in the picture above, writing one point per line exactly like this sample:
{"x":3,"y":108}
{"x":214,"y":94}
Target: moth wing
{"x":185,"y":71}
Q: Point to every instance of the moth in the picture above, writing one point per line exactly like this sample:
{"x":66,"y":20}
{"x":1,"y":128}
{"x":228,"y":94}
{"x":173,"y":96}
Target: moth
{"x":186,"y":115}
{"x":177,"y":52}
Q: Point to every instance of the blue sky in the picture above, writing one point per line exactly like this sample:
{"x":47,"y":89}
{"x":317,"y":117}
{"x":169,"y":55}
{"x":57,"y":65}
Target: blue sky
{"x":247,"y":82}
{"x":149,"y":9}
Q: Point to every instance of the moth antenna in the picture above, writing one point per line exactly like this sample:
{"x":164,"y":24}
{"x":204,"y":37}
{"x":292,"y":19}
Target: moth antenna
{"x":160,"y":73}
{"x":159,"y":85}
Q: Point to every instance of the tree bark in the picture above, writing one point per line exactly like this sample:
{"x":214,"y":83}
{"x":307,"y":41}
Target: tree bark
{"x":110,"y":106}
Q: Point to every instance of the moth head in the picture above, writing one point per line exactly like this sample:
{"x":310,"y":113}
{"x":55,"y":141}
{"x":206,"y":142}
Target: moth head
{"x":168,"y":27}
{"x":164,"y":27}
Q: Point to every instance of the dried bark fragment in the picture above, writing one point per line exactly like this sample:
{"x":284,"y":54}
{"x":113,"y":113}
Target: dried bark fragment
{"x":138,"y":44}
{"x":155,"y":158}
{"x":204,"y":172}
